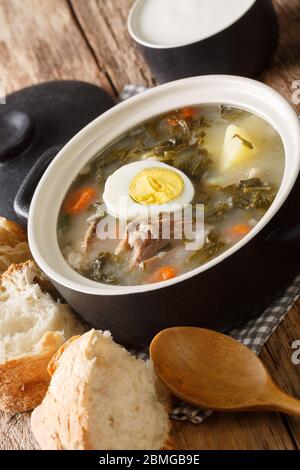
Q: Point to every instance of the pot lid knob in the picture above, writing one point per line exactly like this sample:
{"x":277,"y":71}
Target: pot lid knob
{"x":16,"y":131}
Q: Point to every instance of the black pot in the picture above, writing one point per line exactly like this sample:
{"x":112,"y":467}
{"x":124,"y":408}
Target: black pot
{"x":35,"y":121}
{"x":243,"y":48}
{"x":225,"y":296}
{"x":234,"y":287}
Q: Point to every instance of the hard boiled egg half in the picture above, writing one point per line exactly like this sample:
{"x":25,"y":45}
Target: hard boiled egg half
{"x":146,"y":187}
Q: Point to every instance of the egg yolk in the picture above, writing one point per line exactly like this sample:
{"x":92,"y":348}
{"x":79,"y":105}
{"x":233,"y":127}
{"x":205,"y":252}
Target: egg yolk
{"x":156,"y":186}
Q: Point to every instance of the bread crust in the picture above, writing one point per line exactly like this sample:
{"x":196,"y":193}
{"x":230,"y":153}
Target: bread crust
{"x":24,"y":380}
{"x":63,"y":420}
{"x":53,"y":364}
{"x":13,"y":244}
{"x":39,"y":277}
{"x":48,"y":424}
{"x":11,"y":233}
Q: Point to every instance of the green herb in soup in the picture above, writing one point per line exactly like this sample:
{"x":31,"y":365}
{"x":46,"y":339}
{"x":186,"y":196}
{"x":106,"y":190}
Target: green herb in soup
{"x":226,"y":159}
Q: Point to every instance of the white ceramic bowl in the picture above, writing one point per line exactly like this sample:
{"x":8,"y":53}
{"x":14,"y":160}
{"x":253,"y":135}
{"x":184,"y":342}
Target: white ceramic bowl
{"x":216,"y":89}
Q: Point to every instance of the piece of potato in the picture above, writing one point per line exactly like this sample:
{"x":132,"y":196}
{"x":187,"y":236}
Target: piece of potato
{"x":238,"y":147}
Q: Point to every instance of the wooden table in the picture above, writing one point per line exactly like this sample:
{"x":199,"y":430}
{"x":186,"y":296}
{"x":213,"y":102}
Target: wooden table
{"x":87,"y":40}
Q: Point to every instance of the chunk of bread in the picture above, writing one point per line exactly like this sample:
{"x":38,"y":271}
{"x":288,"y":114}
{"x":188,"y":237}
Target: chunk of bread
{"x":32,"y":328}
{"x":102,"y":397}
{"x":13,"y":244}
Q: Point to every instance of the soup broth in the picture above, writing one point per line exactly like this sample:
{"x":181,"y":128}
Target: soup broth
{"x":225,"y":160}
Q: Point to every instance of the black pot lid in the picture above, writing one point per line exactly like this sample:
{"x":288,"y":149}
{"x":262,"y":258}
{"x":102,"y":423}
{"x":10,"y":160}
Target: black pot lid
{"x":38,"y":118}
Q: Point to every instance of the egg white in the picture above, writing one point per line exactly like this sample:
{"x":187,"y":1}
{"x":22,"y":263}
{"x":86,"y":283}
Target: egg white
{"x":119,"y":203}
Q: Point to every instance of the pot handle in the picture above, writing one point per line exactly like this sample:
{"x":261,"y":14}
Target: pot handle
{"x":283,"y":241}
{"x":26,"y":191}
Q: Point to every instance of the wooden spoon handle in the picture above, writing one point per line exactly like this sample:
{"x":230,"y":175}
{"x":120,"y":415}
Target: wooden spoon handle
{"x":276,"y":400}
{"x":286,"y":404}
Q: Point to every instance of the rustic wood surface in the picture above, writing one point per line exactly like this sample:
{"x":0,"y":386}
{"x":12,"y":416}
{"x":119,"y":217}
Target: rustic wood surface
{"x":87,"y":40}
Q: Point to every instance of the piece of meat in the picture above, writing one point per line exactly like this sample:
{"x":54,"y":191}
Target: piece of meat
{"x":123,"y":245}
{"x":89,"y":236}
{"x":151,"y":264}
{"x":147,"y":240}
{"x":139,"y":238}
{"x":145,"y":249}
{"x":175,"y":256}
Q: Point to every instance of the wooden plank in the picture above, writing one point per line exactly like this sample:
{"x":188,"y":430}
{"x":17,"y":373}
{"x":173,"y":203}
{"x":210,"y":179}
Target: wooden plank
{"x":220,"y":432}
{"x":104,"y":25}
{"x":260,"y":431}
{"x":284,"y":69}
{"x":40,"y":41}
{"x":277,"y":355}
{"x":51,"y":39}
{"x":239,"y":431}
{"x":15,"y":432}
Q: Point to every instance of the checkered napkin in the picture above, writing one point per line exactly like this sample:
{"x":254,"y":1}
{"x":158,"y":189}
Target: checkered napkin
{"x":253,"y":334}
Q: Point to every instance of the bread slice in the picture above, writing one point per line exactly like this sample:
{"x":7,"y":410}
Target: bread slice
{"x":102,"y":397}
{"x":32,"y":328}
{"x":13,"y":244}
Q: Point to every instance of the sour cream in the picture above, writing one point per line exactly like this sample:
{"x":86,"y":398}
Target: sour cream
{"x":169,"y":23}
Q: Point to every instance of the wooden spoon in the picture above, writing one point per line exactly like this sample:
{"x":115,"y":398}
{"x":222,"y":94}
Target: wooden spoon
{"x":213,"y":371}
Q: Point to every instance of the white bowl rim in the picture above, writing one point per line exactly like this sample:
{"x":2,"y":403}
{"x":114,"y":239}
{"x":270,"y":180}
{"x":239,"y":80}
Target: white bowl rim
{"x":250,"y":94}
{"x":143,"y":42}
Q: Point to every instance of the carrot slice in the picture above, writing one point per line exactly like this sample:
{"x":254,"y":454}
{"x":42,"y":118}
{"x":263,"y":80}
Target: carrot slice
{"x":185,"y":113}
{"x":188,"y":113}
{"x":79,"y":200}
{"x":164,"y":273}
{"x":240,"y":230}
